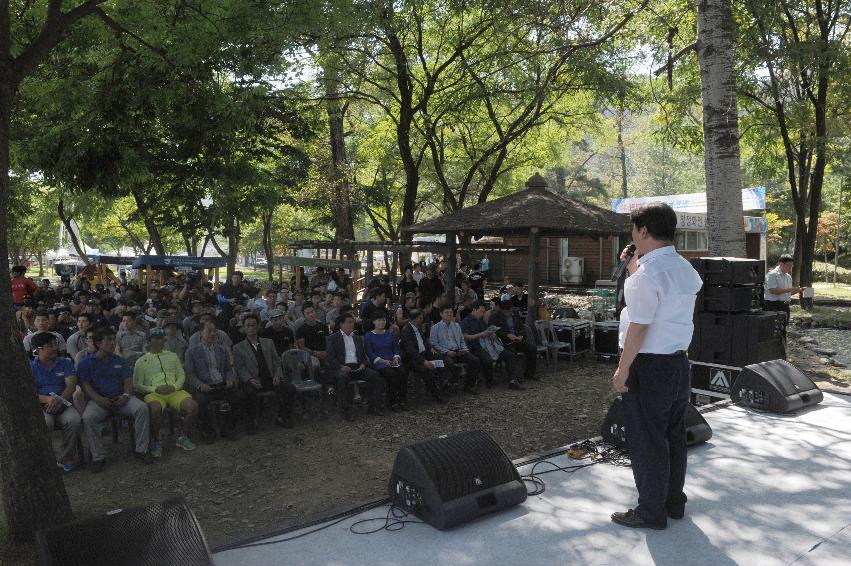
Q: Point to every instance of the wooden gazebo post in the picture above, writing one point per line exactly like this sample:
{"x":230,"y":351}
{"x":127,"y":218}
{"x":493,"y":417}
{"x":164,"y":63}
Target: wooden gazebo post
{"x":450,"y":268}
{"x":532,"y":300}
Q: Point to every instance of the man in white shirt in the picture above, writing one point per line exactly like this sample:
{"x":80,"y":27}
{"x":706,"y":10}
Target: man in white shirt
{"x":779,"y":288}
{"x":347,"y":361}
{"x":653,"y":374}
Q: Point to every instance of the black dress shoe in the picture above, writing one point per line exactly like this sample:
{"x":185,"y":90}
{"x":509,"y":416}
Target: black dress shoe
{"x":251,"y":427}
{"x":633,"y":520}
{"x":489,"y":384}
{"x":438,"y":397}
{"x":471,"y":391}
{"x":377,"y":411}
{"x":403,"y":407}
{"x":516,"y":385}
{"x":284,"y":422}
{"x":144,"y":457}
{"x":349,"y":414}
{"x":97,"y":466}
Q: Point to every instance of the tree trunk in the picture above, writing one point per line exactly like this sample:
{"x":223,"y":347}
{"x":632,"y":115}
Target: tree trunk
{"x":341,"y":205}
{"x":715,"y":50}
{"x":31,"y":487}
{"x":622,"y":154}
{"x":267,"y":243}
{"x":153,"y":232}
{"x":66,"y":221}
{"x":41,"y":265}
{"x":234,"y":235}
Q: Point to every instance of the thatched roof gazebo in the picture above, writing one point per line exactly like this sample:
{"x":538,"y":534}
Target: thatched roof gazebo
{"x":532,"y":212}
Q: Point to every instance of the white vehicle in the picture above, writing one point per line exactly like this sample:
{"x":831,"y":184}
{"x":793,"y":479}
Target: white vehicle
{"x":260,"y":262}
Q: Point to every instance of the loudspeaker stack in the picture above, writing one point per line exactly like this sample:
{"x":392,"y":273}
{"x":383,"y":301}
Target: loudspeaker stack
{"x":730,"y":328}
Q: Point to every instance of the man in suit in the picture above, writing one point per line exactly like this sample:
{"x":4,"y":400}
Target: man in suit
{"x":417,"y":355}
{"x":347,"y":361}
{"x":259,"y":368}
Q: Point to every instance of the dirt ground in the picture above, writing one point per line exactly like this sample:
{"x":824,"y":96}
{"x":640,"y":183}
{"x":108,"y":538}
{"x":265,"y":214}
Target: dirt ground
{"x":280,"y":476}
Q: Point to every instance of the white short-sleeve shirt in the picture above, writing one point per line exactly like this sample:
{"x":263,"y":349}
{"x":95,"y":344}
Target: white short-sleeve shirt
{"x":776,"y":279}
{"x":661,"y":294}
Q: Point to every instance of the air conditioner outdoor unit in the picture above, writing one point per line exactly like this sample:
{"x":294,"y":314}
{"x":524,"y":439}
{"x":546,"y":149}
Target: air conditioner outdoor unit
{"x":573,"y":270}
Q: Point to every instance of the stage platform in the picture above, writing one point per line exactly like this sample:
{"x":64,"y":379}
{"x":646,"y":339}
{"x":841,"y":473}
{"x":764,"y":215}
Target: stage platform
{"x":766,"y":490}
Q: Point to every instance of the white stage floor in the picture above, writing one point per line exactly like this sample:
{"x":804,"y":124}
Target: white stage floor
{"x":765,"y":490}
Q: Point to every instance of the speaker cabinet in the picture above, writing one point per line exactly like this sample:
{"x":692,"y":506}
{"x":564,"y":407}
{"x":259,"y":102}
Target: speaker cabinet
{"x":776,"y":386}
{"x":737,"y":339}
{"x":717,"y":298}
{"x":453,"y":479}
{"x":729,"y":271}
{"x":613,"y":430}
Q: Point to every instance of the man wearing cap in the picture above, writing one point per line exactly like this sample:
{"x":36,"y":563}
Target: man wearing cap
{"x":258,"y":367}
{"x":159,"y":376}
{"x":779,"y":288}
{"x":278,"y":332}
{"x":174,"y":340}
{"x":56,"y":381}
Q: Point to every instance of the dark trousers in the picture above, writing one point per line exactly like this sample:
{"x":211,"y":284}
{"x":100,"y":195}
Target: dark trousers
{"x":779,"y":306}
{"x":432,"y":378}
{"x":654,"y":416}
{"x":234,"y":397}
{"x":374,"y":386}
{"x":284,"y":394}
{"x":530,"y":355}
{"x":474,"y":367}
{"x":396,"y":382}
{"x":487,"y":362}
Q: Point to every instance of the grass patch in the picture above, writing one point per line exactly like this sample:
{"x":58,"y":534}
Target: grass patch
{"x":828,"y":291}
{"x":824,"y":315}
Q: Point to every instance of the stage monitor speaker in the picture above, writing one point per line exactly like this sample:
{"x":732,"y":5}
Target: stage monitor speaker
{"x":776,"y":386}
{"x":613,"y":430}
{"x":453,"y":479}
{"x":729,"y":271}
{"x":162,"y":533}
{"x":718,"y":298}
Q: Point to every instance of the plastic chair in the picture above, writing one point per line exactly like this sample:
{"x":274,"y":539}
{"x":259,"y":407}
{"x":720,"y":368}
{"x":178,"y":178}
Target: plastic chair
{"x":550,"y":339}
{"x":162,"y":533}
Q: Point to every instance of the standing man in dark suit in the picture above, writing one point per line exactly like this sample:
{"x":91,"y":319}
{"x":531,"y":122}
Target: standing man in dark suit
{"x":417,"y":355}
{"x":259,"y":368}
{"x":653,"y":373}
{"x":347,"y":362}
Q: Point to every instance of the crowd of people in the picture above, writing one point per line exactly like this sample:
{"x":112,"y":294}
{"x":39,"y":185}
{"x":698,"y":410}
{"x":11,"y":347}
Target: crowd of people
{"x":210,"y":354}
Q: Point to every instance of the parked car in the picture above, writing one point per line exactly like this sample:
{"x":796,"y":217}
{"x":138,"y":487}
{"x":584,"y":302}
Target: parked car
{"x":260,"y":262}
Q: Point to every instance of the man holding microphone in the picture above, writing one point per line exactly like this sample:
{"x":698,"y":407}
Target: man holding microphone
{"x":653,"y":375}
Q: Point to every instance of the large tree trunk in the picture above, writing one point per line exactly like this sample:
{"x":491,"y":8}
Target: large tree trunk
{"x":153,"y":232}
{"x":267,"y":243}
{"x":622,"y":153}
{"x":341,"y":204}
{"x":715,"y":31}
{"x":31,"y":487}
{"x":66,"y":221}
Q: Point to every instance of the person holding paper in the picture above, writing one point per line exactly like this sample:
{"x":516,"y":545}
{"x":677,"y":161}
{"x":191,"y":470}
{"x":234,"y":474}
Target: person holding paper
{"x":417,"y":356}
{"x":488,"y":348}
{"x":382,"y":349}
{"x":779,"y":289}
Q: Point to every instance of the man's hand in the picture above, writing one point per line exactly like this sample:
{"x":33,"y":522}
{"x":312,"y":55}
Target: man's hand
{"x":53,"y":405}
{"x":514,"y":337}
{"x":230,"y":384}
{"x":205,"y":388}
{"x":276,"y":380}
{"x":451,"y":353}
{"x":255,"y":383}
{"x":345,"y":369}
{"x":619,"y":381}
{"x":105,"y":403}
{"x":164,"y":389}
{"x":120,"y":401}
{"x":428,"y":365}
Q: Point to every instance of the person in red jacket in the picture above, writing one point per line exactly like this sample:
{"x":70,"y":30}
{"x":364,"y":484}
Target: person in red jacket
{"x":22,"y":286}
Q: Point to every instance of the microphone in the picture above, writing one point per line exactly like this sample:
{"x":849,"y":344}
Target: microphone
{"x":619,"y":270}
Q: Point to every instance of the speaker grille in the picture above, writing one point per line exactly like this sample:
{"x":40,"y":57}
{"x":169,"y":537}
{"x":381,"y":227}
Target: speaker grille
{"x":464,"y":463}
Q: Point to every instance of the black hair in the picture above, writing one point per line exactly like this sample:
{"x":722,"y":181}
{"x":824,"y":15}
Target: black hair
{"x":785,"y":258}
{"x":87,"y":316}
{"x":101,"y":333}
{"x":447,"y":306}
{"x":379,"y":315}
{"x":343,"y":317}
{"x":414,"y":314}
{"x":251,"y":315}
{"x":478,"y":303}
{"x":42,"y":339}
{"x":659,"y":219}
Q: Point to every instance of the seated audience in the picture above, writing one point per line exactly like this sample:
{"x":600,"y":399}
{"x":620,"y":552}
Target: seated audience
{"x":211,"y":377}
{"x":56,"y":381}
{"x":485,"y":345}
{"x":347,"y":362}
{"x":129,"y":340}
{"x":512,"y":337}
{"x":278,"y":332}
{"x":159,"y":376}
{"x":108,"y":383}
{"x":382,"y":349}
{"x":417,"y":356}
{"x":311,"y":336}
{"x":258,"y":367}
{"x":42,"y":325}
{"x":447,"y":340}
